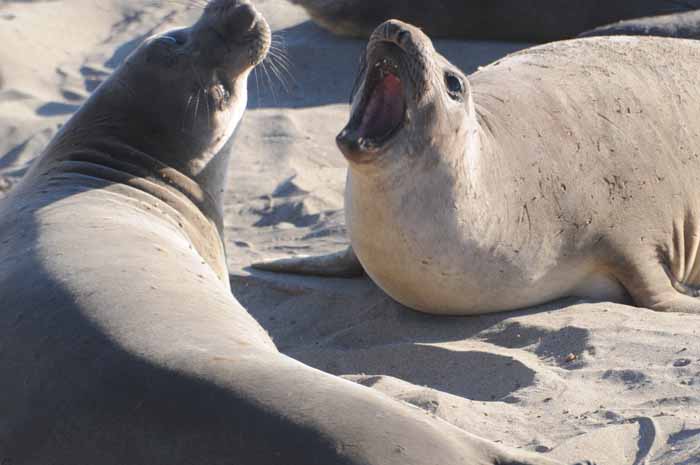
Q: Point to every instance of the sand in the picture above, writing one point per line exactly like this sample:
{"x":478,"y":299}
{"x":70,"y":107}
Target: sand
{"x":572,"y":379}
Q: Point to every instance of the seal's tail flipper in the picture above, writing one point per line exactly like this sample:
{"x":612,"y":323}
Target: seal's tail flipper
{"x":343,"y":264}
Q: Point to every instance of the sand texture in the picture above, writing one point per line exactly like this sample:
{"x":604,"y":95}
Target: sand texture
{"x":613,"y":383}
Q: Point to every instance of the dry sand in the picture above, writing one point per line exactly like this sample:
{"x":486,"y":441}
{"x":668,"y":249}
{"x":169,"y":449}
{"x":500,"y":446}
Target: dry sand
{"x":610,"y":382}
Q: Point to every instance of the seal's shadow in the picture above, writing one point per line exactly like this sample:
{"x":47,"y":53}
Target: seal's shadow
{"x":350,"y":326}
{"x":471,"y":374}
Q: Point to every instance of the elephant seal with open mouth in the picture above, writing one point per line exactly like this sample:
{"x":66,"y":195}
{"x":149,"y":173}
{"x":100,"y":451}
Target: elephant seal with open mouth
{"x":120,"y":340}
{"x":568,"y":169}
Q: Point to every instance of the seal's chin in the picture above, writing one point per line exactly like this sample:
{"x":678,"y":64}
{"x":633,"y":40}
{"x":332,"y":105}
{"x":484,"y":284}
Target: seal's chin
{"x":379,"y":116}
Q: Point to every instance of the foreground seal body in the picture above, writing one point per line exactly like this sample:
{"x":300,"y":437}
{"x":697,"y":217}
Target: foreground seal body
{"x":569,"y":169}
{"x":537,"y":20}
{"x":121,"y":341}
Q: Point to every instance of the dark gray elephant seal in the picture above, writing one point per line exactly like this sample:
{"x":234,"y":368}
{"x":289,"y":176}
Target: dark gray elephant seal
{"x":568,"y":169}
{"x":534,"y":20}
{"x":120,"y":341}
{"x":679,"y":25}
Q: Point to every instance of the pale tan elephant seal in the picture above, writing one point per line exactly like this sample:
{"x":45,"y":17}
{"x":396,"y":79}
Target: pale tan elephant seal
{"x":120,"y":341}
{"x":568,"y":169}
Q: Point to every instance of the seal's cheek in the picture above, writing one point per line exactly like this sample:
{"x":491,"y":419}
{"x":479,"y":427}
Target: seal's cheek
{"x":219,"y":96}
{"x":158,"y":54}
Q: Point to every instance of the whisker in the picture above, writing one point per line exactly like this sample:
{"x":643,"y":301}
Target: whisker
{"x":257,"y":87}
{"x":283,"y":70}
{"x":196,"y":110}
{"x":281,"y":58}
{"x":276,"y":72}
{"x":269,"y":81}
{"x":196,"y":74}
{"x":201,"y":89}
{"x":284,"y":63}
{"x":280,"y":51}
{"x":278,"y":36}
{"x":187,"y":108}
{"x":206,"y":100}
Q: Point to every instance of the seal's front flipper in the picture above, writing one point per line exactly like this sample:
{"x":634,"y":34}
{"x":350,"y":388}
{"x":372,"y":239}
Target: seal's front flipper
{"x":343,"y":264}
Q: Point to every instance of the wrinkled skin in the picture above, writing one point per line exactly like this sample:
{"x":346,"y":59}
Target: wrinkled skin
{"x":567,"y":169}
{"x":120,"y":340}
{"x":533,"y":20}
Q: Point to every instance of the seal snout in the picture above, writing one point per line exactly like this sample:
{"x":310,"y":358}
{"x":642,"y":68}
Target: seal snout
{"x":237,"y":22}
{"x":241,"y":18}
{"x":407,"y":37}
{"x":397,"y":62}
{"x":380,"y":113}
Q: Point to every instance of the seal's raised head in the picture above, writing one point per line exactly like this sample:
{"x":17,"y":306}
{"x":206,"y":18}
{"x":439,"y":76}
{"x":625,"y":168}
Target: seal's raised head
{"x":180,"y":95}
{"x":158,"y":123}
{"x":405,"y":92}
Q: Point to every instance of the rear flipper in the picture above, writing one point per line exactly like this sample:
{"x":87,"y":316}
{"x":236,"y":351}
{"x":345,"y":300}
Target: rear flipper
{"x":343,"y":264}
{"x":673,"y":301}
{"x":653,"y":285}
{"x":684,"y":25}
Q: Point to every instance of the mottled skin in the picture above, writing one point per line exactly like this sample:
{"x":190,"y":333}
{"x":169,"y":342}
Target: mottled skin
{"x":120,"y":341}
{"x":528,"y":20}
{"x":568,"y":169}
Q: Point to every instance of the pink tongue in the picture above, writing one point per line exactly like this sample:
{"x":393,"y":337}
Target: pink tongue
{"x":385,"y":108}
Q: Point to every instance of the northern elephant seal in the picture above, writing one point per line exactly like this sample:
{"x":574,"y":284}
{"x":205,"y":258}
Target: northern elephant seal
{"x":536,"y":20}
{"x":568,"y":169}
{"x":120,"y":341}
{"x":684,"y":25}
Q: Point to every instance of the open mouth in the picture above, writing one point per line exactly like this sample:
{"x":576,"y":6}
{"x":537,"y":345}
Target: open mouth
{"x":381,"y":112}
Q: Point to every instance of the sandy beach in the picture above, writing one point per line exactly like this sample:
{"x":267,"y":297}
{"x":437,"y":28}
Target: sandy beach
{"x":572,"y":379}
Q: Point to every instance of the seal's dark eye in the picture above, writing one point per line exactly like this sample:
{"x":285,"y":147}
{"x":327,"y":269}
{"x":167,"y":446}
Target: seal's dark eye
{"x":455,"y":86}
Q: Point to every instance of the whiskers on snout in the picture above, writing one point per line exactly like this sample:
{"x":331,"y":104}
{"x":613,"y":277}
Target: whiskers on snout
{"x":275,"y":66}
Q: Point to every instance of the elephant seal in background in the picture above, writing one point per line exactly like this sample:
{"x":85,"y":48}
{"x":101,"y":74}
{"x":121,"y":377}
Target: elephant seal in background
{"x":532,"y":21}
{"x":120,"y":340}
{"x":679,"y":25}
{"x":568,"y":169}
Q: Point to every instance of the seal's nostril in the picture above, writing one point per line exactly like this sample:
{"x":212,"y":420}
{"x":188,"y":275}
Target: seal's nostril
{"x":243,"y":17}
{"x":403,"y":37}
